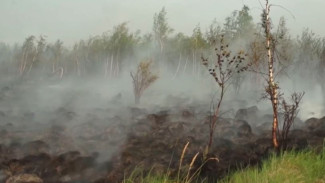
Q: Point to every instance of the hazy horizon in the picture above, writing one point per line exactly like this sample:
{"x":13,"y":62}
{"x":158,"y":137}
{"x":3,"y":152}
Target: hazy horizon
{"x":73,"y":20}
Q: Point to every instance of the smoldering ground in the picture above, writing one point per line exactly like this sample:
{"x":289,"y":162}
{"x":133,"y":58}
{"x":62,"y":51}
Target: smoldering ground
{"x":98,"y":117}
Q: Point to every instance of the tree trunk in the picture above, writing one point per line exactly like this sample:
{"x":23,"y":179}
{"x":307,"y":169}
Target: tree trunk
{"x":215,"y":117}
{"x":184,"y":69}
{"x":111,"y":67}
{"x":179,"y":63}
{"x":272,"y":88}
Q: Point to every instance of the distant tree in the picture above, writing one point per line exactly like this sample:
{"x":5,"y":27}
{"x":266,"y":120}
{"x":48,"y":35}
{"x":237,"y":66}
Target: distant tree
{"x":28,"y":54}
{"x":161,"y":29}
{"x":198,"y":40}
{"x":121,"y":44}
{"x":213,"y":33}
{"x":309,"y":46}
{"x":239,"y":24}
{"x":179,"y":47}
{"x":55,"y":54}
{"x":198,"y":44}
{"x":244,"y":22}
{"x":321,"y":70}
{"x":284,"y":48}
{"x":40,"y":49}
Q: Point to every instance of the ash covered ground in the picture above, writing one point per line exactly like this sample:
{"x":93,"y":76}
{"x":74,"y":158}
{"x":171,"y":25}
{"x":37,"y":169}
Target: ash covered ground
{"x":68,"y":131}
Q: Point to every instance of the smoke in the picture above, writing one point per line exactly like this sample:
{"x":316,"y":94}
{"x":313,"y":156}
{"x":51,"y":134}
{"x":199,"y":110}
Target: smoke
{"x":94,"y":105}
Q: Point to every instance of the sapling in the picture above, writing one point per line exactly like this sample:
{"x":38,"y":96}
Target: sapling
{"x":272,"y":88}
{"x":142,"y":79}
{"x":226,"y":65}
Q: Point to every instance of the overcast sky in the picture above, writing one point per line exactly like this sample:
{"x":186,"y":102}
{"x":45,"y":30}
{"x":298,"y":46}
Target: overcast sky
{"x":72,"y":20}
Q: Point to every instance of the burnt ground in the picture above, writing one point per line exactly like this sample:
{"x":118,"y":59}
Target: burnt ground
{"x":63,"y":144}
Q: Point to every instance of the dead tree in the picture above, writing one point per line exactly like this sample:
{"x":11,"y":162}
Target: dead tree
{"x":272,"y":87}
{"x":222,"y":70}
{"x":142,"y":79}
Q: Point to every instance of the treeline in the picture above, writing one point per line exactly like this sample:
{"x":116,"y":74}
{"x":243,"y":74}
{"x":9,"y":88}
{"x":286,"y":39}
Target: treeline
{"x":111,"y":53}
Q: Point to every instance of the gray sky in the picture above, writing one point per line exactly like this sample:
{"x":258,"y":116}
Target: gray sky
{"x":71,"y":20}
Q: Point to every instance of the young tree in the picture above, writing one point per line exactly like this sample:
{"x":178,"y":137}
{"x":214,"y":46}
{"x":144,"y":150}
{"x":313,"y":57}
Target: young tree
{"x":272,"y":88}
{"x":223,"y":69}
{"x":142,"y":79}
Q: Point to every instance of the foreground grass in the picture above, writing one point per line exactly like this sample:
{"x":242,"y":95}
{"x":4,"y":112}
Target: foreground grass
{"x":291,"y":167}
{"x":303,"y":167}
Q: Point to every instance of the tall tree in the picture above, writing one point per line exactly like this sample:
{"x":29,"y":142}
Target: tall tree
{"x":161,"y":29}
{"x":272,"y":88}
{"x":239,"y":23}
{"x":39,"y":53}
{"x":28,"y":54}
{"x":121,"y":43}
{"x":213,"y":33}
{"x":198,"y":43}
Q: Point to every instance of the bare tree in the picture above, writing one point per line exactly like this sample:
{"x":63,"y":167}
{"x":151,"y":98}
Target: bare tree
{"x":272,"y":87}
{"x":290,"y":112}
{"x":224,"y":68}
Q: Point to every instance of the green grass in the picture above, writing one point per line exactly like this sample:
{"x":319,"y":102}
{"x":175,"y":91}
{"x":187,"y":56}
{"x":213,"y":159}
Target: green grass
{"x":290,"y":167}
{"x":137,"y":176}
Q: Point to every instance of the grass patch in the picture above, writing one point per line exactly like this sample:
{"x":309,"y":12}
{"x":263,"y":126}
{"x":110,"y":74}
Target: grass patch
{"x":303,"y":167}
{"x":290,"y":167}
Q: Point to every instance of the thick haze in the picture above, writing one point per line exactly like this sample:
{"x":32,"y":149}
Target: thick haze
{"x":72,"y":20}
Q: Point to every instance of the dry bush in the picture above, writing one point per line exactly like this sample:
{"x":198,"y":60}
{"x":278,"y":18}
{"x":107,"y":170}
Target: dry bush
{"x":290,"y":112}
{"x":24,"y":178}
{"x":142,"y":79}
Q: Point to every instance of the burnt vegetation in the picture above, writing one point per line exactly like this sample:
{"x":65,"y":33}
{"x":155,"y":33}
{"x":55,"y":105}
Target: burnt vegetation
{"x":65,"y":115}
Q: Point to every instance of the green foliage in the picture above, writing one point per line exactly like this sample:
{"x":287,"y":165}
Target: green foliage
{"x":121,"y":41}
{"x":138,"y":176}
{"x":213,"y":33}
{"x":239,"y":23}
{"x":161,"y":28}
{"x":107,"y":54}
{"x":198,"y":41}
